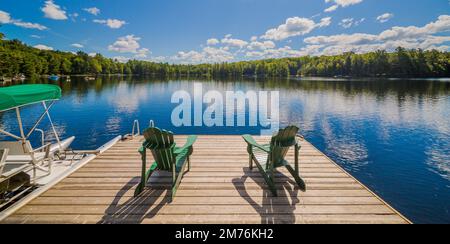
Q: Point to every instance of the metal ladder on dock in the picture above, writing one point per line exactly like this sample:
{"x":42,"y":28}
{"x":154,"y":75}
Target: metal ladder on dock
{"x":136,"y":130}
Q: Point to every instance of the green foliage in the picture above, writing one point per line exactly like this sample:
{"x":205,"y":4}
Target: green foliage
{"x":18,"y":58}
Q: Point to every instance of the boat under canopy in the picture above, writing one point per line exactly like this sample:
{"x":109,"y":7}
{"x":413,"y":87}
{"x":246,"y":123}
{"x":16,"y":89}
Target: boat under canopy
{"x":16,"y":97}
{"x":26,"y":169}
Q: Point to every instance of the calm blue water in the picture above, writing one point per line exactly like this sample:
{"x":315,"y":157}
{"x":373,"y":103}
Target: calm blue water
{"x":392,"y":135}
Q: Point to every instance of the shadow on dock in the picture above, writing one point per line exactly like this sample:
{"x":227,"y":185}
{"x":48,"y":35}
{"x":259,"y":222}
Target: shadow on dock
{"x":220,"y":189}
{"x":271,"y":207}
{"x":136,"y":209}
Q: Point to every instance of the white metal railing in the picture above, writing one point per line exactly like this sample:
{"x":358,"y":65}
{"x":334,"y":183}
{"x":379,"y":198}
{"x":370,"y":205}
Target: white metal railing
{"x":42,"y":136}
{"x":136,"y":131}
{"x":136,"y":127}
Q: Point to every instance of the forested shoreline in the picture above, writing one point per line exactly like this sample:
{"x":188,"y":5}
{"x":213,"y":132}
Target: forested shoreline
{"x":17,"y":58}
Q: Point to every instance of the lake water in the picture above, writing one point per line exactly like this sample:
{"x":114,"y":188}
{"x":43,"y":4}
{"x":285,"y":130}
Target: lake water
{"x":392,"y":135}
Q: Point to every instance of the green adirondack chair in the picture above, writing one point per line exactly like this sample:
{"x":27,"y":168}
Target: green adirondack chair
{"x":168,"y":157}
{"x":268,"y":157}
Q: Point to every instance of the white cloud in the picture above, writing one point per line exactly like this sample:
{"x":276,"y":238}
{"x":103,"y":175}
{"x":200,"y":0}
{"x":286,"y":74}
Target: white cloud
{"x":345,"y":3}
{"x":53,"y":11}
{"x":43,"y":47}
{"x":111,"y":23}
{"x":274,"y":53}
{"x":331,"y":9}
{"x":77,"y":45}
{"x":5,"y":18}
{"x":129,"y":44}
{"x":441,"y":25}
{"x":295,"y":26}
{"x":350,"y":22}
{"x":74,"y":16}
{"x":231,"y":49}
{"x":212,"y":42}
{"x":407,"y":37}
{"x":385,"y":17}
{"x":158,"y":59}
{"x":189,"y":57}
{"x":231,"y":42}
{"x":324,"y":22}
{"x":255,"y":45}
{"x":126,"y":44}
{"x":346,"y":23}
{"x":121,"y":59}
{"x":29,"y":25}
{"x":340,"y":3}
{"x":94,"y":11}
{"x":207,"y":55}
{"x":356,"y":39}
{"x":216,"y":55}
{"x":115,"y":23}
{"x":142,"y":53}
{"x":36,"y":36}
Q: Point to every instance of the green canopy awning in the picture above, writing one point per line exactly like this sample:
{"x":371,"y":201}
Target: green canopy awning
{"x":17,"y":96}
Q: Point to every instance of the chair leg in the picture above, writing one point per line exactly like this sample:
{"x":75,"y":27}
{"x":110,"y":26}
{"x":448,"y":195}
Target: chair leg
{"x":297,"y":178}
{"x":141,"y":185}
{"x":174,"y":187}
{"x":272,"y":180}
{"x":269,"y":180}
{"x":251,"y":162}
{"x":176,"y":180}
{"x":189,"y":163}
{"x":139,"y":190}
{"x":172,"y":193}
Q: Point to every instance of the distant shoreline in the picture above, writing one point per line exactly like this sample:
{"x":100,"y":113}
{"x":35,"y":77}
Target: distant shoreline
{"x":18,"y":59}
{"x":300,"y":78}
{"x":267,"y":77}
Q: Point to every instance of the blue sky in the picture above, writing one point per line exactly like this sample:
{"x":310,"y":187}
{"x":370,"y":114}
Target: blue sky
{"x":196,"y":31}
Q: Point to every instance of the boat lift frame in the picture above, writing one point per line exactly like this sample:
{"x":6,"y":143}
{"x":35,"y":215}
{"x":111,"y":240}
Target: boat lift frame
{"x":24,"y":137}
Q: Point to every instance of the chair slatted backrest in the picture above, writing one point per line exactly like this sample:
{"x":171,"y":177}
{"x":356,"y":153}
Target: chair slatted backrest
{"x":3,"y":155}
{"x":162,"y":145}
{"x":282,"y":142}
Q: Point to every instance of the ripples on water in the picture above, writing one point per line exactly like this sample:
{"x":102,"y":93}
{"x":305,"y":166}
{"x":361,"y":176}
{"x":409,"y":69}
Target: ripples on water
{"x":393,"y":135}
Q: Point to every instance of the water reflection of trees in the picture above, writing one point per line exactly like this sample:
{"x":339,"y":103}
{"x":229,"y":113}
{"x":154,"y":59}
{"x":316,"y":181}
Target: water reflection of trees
{"x":378,"y":88}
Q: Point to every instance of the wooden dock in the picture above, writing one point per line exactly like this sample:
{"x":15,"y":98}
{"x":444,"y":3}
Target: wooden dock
{"x":218,"y":189}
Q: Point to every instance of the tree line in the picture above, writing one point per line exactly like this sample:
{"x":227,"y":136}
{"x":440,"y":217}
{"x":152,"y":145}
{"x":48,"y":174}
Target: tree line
{"x":18,"y":58}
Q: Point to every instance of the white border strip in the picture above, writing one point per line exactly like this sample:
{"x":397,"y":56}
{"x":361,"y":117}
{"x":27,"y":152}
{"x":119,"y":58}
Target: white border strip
{"x":15,"y":207}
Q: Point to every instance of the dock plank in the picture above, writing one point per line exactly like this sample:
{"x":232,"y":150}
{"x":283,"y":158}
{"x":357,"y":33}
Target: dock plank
{"x":220,"y":188}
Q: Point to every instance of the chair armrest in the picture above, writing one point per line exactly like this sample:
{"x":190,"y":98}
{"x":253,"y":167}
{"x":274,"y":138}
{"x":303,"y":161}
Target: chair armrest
{"x":251,"y":142}
{"x":145,"y":145}
{"x":298,"y":136}
{"x":189,"y":143}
